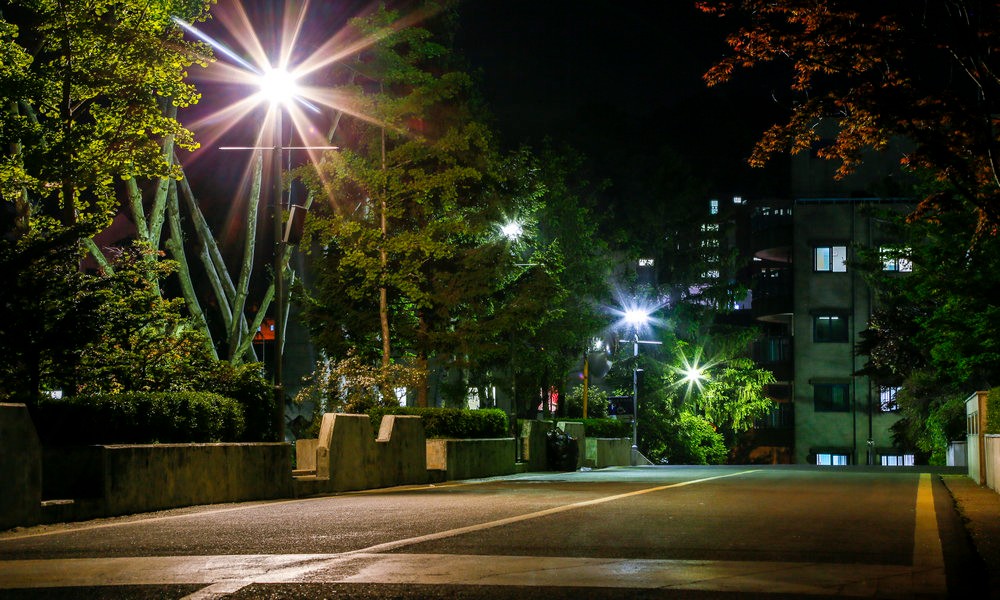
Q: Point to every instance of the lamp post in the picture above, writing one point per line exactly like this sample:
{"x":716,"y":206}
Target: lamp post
{"x":637,"y":318}
{"x":278,"y":87}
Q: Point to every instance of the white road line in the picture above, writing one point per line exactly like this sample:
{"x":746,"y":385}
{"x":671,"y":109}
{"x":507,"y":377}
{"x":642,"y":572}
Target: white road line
{"x":394,"y":545}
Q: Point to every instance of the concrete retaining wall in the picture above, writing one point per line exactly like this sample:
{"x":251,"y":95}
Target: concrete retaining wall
{"x":140,"y":478}
{"x":609,"y":452}
{"x":348,"y":457}
{"x":992,"y":453}
{"x":20,"y":468}
{"x":471,"y":459}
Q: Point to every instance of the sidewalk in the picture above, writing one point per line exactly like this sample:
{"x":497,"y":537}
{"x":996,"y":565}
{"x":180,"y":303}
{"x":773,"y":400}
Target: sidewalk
{"x":980,"y":508}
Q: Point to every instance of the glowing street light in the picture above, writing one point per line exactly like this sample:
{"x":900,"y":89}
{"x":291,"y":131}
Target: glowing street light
{"x":512,"y":230}
{"x":637,"y":317}
{"x":278,"y":86}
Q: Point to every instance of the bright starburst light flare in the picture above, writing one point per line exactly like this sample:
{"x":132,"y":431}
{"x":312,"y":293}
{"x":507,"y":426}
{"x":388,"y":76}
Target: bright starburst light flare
{"x":512,"y":230}
{"x":636,"y":316}
{"x":282,"y":82}
{"x":692,"y":372}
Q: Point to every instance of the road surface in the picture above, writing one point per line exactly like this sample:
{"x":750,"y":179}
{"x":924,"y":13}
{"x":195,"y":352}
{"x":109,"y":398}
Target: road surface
{"x":647,"y":532}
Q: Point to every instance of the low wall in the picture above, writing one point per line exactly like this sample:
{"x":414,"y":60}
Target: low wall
{"x":993,"y":461}
{"x":471,"y":459}
{"x":140,"y":478}
{"x":348,"y":457}
{"x":609,"y":452}
{"x":20,"y":468}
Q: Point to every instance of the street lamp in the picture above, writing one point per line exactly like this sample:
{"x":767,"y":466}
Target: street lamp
{"x":637,"y":317}
{"x":278,"y":87}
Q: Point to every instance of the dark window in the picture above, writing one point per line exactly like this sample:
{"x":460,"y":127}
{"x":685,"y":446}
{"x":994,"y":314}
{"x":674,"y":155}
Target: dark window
{"x":832,"y":397}
{"x":829,"y":328}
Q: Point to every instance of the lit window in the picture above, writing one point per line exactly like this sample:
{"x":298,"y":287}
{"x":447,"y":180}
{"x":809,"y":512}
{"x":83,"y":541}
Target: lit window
{"x":713,"y":274}
{"x":713,"y":207}
{"x":826,"y":459}
{"x":894,"y":259}
{"x":829,"y":328}
{"x":646,"y":262}
{"x":831,"y":397}
{"x":830,"y":259}
{"x":706,"y":227}
{"x":897,"y":460}
{"x":401,"y":395}
{"x":887,"y":398}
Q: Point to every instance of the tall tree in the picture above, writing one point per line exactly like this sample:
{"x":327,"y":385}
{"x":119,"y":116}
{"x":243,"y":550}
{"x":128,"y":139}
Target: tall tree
{"x":408,"y":191}
{"x":926,"y":71}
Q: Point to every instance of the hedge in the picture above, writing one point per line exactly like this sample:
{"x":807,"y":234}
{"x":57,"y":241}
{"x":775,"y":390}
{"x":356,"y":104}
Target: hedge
{"x":604,"y":428}
{"x":450,"y":422}
{"x":993,"y":411}
{"x":139,"y":418}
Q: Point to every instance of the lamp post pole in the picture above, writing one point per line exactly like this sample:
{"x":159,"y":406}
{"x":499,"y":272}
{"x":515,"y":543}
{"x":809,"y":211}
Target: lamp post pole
{"x":635,"y":399}
{"x":279,"y":276}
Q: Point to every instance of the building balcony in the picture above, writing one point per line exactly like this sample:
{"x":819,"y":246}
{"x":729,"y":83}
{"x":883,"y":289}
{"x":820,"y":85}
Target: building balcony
{"x":772,"y":296}
{"x":775,"y":354}
{"x":771,"y":234}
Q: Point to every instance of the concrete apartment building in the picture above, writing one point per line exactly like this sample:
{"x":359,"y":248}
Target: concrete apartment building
{"x":812,"y":305}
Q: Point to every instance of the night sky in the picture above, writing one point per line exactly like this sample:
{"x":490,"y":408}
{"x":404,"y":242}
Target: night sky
{"x":620,"y":80}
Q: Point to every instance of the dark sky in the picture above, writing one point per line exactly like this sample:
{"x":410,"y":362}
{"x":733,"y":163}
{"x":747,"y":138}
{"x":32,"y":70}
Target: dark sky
{"x":618,"y":79}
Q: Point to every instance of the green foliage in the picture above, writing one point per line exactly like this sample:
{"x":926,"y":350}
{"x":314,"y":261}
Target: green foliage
{"x":733,"y":397}
{"x":934,"y":331}
{"x":696,"y":442}
{"x":597,"y":402}
{"x":246,"y":384}
{"x":604,"y":428}
{"x":992,"y":411}
{"x":139,"y":418}
{"x":354,"y":385}
{"x":451,"y":422}
{"x":83,"y":90}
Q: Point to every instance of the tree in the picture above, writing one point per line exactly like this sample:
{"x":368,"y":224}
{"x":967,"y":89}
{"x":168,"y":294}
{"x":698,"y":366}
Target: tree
{"x":933,"y":333}
{"x":924,"y":71}
{"x":83,"y":90}
{"x":412,"y":213}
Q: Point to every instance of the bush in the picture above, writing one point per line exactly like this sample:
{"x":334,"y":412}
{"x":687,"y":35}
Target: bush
{"x":246,"y":385}
{"x":992,"y":411}
{"x":139,"y":418}
{"x":450,"y":422}
{"x":604,"y":428}
{"x":597,"y":402}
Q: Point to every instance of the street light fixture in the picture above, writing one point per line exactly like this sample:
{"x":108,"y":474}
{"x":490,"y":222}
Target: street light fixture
{"x":637,"y":317}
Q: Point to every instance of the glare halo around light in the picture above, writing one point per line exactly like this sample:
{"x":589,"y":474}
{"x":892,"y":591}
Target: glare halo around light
{"x":512,"y":230}
{"x":277,"y":85}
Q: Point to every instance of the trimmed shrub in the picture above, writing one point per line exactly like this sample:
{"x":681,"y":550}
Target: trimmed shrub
{"x":993,"y":411}
{"x":604,"y":428}
{"x":450,"y":422}
{"x":139,"y":418}
{"x":246,"y":385}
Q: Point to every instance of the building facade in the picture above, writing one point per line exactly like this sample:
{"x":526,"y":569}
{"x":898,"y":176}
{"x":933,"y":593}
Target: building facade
{"x":812,"y":304}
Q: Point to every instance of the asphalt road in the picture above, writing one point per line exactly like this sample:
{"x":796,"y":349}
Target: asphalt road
{"x":647,"y":532}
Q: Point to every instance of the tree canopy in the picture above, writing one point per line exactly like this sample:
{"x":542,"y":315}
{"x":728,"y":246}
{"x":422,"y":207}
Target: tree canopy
{"x":925,"y":71}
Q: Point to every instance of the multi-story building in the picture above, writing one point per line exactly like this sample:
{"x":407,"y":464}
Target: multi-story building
{"x":812,"y":304}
